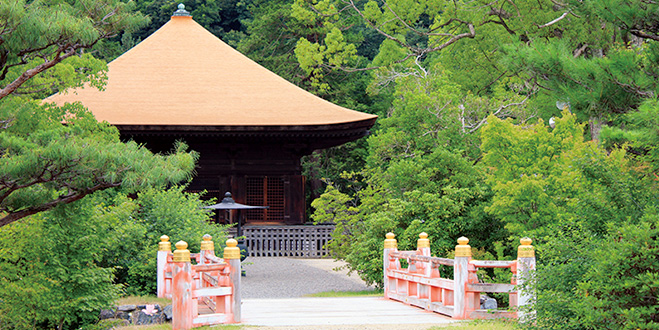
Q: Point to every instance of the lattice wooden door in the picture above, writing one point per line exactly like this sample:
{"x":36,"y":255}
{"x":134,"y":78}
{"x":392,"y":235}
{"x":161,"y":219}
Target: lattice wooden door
{"x":265,"y":191}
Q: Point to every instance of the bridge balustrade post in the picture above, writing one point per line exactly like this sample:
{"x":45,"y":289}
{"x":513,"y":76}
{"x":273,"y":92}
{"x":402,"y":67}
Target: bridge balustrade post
{"x":232,"y":257}
{"x":164,"y":249}
{"x":525,"y":268}
{"x":460,"y":278}
{"x":207,"y":248}
{"x":423,"y":268}
{"x":182,"y":285}
{"x":390,"y":245}
{"x":423,"y":248}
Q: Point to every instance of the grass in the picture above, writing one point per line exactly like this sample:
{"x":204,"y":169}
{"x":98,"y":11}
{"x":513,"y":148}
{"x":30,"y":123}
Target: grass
{"x":501,"y":324}
{"x":143,"y":300}
{"x":330,"y":294}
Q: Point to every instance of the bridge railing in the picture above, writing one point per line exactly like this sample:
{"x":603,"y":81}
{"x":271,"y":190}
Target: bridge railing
{"x":420,"y":284}
{"x":212,"y":282}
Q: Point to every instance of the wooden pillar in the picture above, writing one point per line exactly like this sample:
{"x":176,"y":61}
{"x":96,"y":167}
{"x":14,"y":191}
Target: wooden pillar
{"x":423,"y":248}
{"x":164,"y":249}
{"x":207,"y":248}
{"x":182,"y":302}
{"x":460,"y":278}
{"x":232,"y":257}
{"x":525,"y":268}
{"x":390,"y":245}
{"x":423,"y":268}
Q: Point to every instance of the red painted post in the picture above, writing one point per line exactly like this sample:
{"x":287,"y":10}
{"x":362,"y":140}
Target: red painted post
{"x":390,"y":245}
{"x":525,"y":268}
{"x":232,"y":257}
{"x":423,"y":268}
{"x":164,"y":249}
{"x":182,"y":286}
{"x":460,"y":278}
{"x":423,"y":248}
{"x":206,"y":250}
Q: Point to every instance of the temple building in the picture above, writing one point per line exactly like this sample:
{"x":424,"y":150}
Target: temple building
{"x":250,"y":126}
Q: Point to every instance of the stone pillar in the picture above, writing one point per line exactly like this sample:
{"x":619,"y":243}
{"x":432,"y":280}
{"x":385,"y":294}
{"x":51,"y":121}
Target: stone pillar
{"x":232,"y":257}
{"x":182,"y":303}
{"x":460,"y":278}
{"x":164,"y":249}
{"x":525,"y":268}
{"x":390,"y":245}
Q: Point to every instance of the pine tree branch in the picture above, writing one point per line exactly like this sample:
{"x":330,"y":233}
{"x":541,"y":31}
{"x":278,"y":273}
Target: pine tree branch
{"x":641,"y":34}
{"x":554,"y":21}
{"x":69,"y":198}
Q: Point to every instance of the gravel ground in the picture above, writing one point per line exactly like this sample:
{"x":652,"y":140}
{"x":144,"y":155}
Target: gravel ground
{"x":272,"y":278}
{"x":292,"y":278}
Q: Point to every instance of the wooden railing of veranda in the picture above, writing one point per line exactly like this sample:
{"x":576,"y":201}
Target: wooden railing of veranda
{"x":212,"y":284}
{"x":420,"y":284}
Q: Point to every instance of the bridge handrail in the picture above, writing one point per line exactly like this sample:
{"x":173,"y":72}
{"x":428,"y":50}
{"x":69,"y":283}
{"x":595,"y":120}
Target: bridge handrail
{"x":413,"y":256}
{"x":212,"y":281}
{"x":420,"y":284}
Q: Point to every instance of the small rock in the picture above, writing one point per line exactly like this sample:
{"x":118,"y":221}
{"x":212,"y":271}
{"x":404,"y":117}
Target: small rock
{"x":126,"y":308}
{"x":123,"y":315}
{"x":106,"y":314}
{"x":167,"y":311}
{"x":144,"y":318}
{"x":488,"y":302}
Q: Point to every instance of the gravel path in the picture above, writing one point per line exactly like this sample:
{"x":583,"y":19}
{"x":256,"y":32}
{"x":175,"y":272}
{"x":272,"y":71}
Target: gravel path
{"x":291,"y":278}
{"x":276,"y":279}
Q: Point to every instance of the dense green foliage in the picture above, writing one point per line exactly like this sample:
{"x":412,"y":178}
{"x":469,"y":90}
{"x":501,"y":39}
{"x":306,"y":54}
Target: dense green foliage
{"x":465,"y":91}
{"x":58,"y":269}
{"x":44,"y":161}
{"x":71,"y":240}
{"x":464,"y":148}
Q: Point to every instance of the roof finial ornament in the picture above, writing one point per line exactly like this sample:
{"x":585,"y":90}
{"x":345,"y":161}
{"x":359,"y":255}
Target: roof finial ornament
{"x":181,"y":11}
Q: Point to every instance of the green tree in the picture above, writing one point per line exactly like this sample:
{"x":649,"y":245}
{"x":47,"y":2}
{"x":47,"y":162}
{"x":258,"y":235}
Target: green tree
{"x":607,"y":70}
{"x":223,"y":18}
{"x":541,"y":178}
{"x":59,"y":268}
{"x":36,"y":36}
{"x":48,"y":155}
{"x":640,"y":135}
{"x":581,"y":204}
{"x":49,"y":269}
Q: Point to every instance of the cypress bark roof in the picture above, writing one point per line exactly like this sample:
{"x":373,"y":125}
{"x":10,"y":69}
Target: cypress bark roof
{"x":182,"y":75}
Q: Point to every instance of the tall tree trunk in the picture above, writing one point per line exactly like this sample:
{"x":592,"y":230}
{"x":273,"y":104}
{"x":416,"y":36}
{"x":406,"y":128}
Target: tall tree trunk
{"x":595,"y":126}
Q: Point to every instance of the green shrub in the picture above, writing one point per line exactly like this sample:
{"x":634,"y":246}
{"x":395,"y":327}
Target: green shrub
{"x":59,"y":268}
{"x":621,"y":288}
{"x":138,"y":225}
{"x":440,"y":193}
{"x":49,"y":269}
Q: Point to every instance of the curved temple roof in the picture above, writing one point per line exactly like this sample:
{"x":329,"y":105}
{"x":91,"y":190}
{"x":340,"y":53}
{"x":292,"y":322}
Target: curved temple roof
{"x":182,"y":75}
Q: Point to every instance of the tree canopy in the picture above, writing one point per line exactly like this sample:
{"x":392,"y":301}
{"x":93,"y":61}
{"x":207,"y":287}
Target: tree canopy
{"x":57,"y":155}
